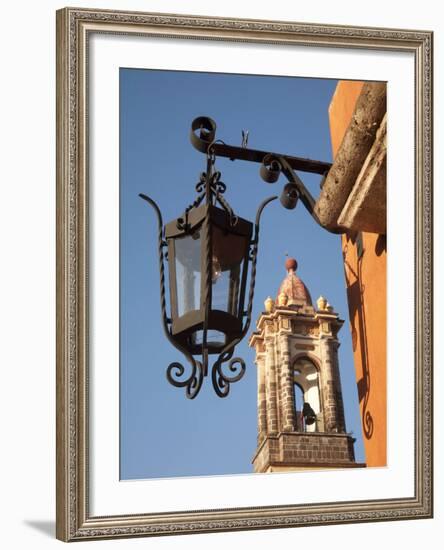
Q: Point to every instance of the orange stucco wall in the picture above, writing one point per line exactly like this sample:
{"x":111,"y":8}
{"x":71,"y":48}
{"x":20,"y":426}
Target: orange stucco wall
{"x":341,"y":109}
{"x":365,"y":274}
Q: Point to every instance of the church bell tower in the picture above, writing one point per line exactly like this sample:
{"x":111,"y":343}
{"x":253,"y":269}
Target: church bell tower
{"x":300,"y":409}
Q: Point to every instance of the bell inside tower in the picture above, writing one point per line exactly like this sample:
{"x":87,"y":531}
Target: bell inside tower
{"x":307,"y":397}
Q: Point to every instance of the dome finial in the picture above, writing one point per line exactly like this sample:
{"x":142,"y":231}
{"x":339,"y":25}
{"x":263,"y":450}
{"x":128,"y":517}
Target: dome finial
{"x":291,"y":264}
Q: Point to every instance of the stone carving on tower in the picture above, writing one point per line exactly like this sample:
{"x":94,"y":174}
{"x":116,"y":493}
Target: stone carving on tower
{"x":300,"y":409}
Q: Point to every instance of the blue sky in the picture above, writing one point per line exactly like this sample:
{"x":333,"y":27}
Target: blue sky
{"x":163,"y":434}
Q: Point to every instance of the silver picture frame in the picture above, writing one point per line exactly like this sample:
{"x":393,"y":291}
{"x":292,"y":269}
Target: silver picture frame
{"x":74,"y":27}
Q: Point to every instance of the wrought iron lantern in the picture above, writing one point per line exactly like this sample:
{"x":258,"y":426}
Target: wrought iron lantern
{"x":209,"y":253}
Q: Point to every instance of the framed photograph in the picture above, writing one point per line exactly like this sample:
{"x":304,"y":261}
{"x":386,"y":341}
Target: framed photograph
{"x":244,"y":274}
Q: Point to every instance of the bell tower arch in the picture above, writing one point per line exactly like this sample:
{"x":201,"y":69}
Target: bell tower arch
{"x":300,"y":408}
{"x":306,"y":378}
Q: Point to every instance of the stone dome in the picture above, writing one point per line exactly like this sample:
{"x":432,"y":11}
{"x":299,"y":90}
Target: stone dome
{"x":292,"y":289}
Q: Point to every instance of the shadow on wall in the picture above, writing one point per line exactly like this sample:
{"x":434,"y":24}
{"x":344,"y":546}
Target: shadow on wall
{"x":355,"y":295}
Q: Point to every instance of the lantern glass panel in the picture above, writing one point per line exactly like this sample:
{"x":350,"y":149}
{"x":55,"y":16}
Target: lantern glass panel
{"x":188,"y":272}
{"x":229,"y":252}
{"x":214,"y":338}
